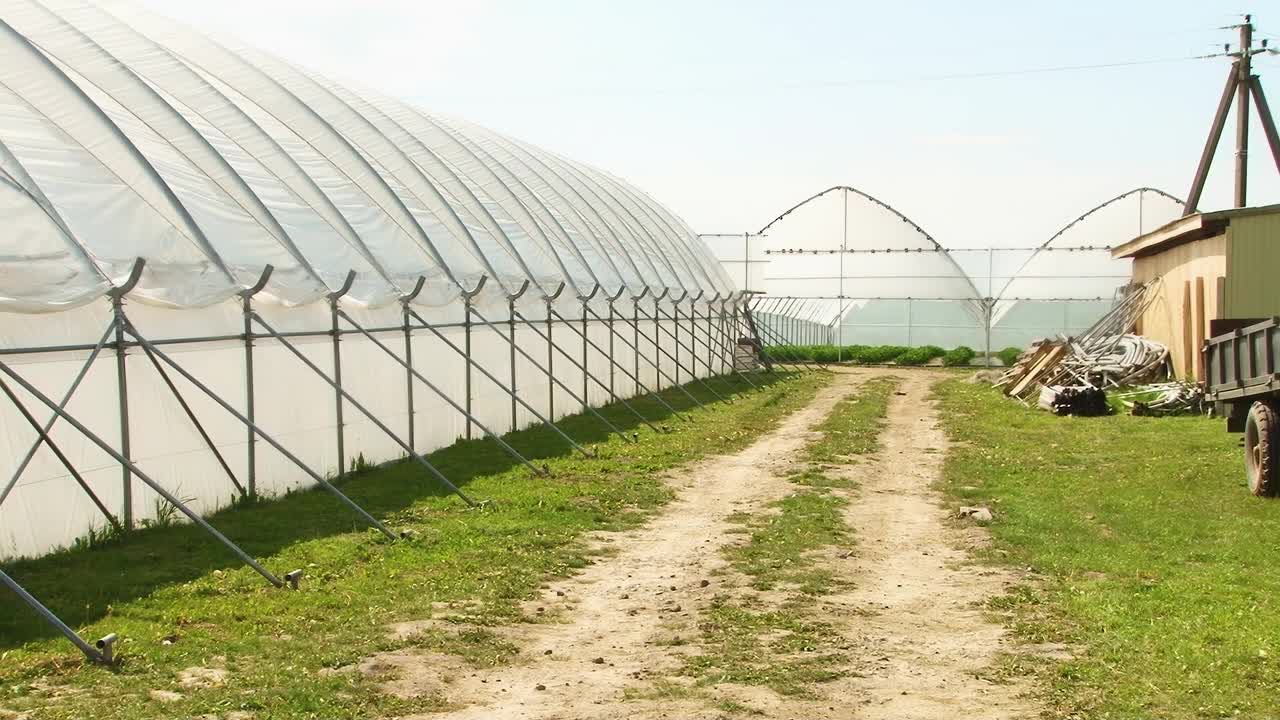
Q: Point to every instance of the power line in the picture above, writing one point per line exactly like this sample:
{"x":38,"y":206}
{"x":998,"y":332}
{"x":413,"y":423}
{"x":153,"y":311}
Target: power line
{"x":604,"y":91}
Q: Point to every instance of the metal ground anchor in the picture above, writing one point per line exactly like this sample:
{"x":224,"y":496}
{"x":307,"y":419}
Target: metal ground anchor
{"x":106,"y":649}
{"x":294,"y":578}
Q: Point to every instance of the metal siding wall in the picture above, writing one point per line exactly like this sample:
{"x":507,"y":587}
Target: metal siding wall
{"x":1253,"y":256}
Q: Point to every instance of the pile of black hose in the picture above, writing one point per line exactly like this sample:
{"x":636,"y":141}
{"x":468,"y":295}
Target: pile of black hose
{"x":1083,"y":400}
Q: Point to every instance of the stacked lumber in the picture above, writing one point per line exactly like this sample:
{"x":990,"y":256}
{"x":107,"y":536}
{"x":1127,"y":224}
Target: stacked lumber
{"x":1038,"y":360}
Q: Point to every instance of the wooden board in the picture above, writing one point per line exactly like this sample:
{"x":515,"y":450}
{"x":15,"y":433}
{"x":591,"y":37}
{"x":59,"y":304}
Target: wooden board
{"x":1040,"y":369}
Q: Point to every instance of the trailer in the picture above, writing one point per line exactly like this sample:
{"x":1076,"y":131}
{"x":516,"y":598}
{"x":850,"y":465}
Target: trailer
{"x":1242,"y":380}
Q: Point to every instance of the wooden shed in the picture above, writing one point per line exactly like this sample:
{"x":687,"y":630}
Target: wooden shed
{"x":1210,"y":266}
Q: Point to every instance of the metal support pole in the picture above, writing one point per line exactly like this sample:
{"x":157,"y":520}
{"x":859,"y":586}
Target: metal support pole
{"x":511,"y":325}
{"x":250,"y":397}
{"x":137,"y":472}
{"x":466,"y":324}
{"x":612,"y":374}
{"x":908,"y":322}
{"x":586,"y":397}
{"x":334,"y":297}
{"x":635,"y":335}
{"x":675,"y":308}
{"x":443,"y":396}
{"x":89,"y":651}
{"x":551,"y":353}
{"x":122,"y":389}
{"x":657,"y":354}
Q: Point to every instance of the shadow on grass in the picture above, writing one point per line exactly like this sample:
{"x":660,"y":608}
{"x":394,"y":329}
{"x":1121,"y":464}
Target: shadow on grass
{"x":82,"y":585}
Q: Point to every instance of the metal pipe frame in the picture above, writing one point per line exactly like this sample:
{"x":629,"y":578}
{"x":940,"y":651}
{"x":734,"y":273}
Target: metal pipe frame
{"x":693,"y":346}
{"x":467,"y":297}
{"x":511,"y":326}
{"x":492,"y":378}
{"x":515,"y":454}
{"x":408,"y":355}
{"x":558,"y":382}
{"x":611,"y":299}
{"x":661,"y":373}
{"x":635,"y":332}
{"x":675,"y":337}
{"x":152,"y":349}
{"x":208,"y":441}
{"x":745,"y":322}
{"x":250,"y":397}
{"x":136,"y":471}
{"x":726,"y":341}
{"x":755,"y":329}
{"x":116,"y":295}
{"x":43,"y":436}
{"x":363,"y":410}
{"x":787,"y":359}
{"x":333,"y":299}
{"x":597,"y":381}
{"x":728,"y":344}
{"x":763,"y":332}
{"x":551,"y":351}
{"x":586,"y":357}
{"x":663,"y":402}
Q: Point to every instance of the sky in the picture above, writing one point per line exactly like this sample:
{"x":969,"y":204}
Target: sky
{"x":730,"y":112}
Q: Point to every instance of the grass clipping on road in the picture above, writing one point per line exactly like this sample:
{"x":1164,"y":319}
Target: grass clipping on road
{"x":1150,"y":560}
{"x":179,"y":601}
{"x":775,"y":637}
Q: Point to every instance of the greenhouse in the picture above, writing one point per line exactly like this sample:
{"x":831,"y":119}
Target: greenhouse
{"x":226,"y":276}
{"x":844,"y":268}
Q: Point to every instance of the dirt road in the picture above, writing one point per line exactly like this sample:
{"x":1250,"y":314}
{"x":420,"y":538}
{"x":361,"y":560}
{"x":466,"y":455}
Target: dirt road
{"x":917,"y":641}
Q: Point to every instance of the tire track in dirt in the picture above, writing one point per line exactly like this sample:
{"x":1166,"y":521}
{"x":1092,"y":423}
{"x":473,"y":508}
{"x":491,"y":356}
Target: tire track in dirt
{"x":925,"y":641}
{"x":613,"y":611}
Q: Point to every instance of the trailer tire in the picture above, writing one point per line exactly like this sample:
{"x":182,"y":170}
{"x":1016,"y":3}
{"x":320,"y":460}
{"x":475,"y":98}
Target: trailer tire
{"x":1260,"y":449}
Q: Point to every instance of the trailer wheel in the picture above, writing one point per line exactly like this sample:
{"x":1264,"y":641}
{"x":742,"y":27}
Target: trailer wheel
{"x":1260,"y":449}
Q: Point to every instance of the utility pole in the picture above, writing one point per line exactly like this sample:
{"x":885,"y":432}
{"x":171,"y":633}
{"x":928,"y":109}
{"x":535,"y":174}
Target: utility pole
{"x":1244,"y":86}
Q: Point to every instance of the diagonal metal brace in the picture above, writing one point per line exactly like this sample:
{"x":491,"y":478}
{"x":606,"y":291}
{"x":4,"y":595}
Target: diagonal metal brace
{"x":572,"y":443}
{"x":137,"y":472}
{"x":148,"y":347}
{"x":358,"y":406}
{"x":550,"y":376}
{"x":443,"y":396}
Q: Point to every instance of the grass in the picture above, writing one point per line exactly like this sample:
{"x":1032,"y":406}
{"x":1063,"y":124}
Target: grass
{"x":779,"y":552}
{"x":780,"y":648}
{"x":179,"y":600}
{"x":1149,"y":556}
{"x":785,"y":645}
{"x":854,"y":426}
